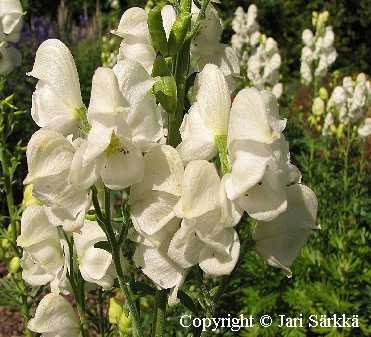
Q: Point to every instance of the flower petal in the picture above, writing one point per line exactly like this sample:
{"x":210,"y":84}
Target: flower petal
{"x":279,"y":241}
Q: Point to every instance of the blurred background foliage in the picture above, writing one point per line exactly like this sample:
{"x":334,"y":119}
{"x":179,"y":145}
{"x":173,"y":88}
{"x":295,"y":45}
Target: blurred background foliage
{"x":332,"y":275}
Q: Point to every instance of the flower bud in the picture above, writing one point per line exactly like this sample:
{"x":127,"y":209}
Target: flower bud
{"x":125,"y":323}
{"x":318,"y":107}
{"x":14,"y":265}
{"x":5,"y":244}
{"x":323,"y":93}
{"x":114,"y":311}
{"x":314,"y":18}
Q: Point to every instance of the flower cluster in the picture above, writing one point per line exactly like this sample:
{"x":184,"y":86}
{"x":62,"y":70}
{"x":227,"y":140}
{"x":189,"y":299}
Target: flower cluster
{"x":318,"y":53}
{"x":258,"y":55}
{"x":10,"y":29}
{"x":349,"y":104}
{"x":186,"y":195}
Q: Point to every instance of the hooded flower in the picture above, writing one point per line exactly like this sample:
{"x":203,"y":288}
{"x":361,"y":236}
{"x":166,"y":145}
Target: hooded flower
{"x":133,"y":29}
{"x":43,"y":254}
{"x":206,"y":48}
{"x":11,"y":14}
{"x":95,"y":264}
{"x":259,"y":155}
{"x":55,"y":317}
{"x":280,"y":240}
{"x":9,"y":58}
{"x":49,"y":159}
{"x":206,"y":236}
{"x":119,"y":133}
{"x":56,"y":102}
{"x":208,"y":116}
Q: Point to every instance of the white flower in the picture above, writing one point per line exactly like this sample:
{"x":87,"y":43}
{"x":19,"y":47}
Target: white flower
{"x":208,"y":116}
{"x":259,"y":155}
{"x":206,"y":236}
{"x":56,"y":102}
{"x":55,"y":317}
{"x":329,"y":121}
{"x":10,"y":20}
{"x":95,"y":264}
{"x":9,"y":58}
{"x":119,"y":133}
{"x":49,"y":159}
{"x":308,"y":37}
{"x":43,"y":260}
{"x":206,"y":48}
{"x":280,"y":240}
{"x":365,"y":129}
{"x":133,"y":29}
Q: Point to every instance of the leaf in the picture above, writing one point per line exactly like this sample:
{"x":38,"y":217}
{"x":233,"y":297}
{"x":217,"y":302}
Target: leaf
{"x":103,"y":245}
{"x":165,"y":91}
{"x":161,"y":67}
{"x":157,"y":31}
{"x":142,"y":288}
{"x":188,"y":302}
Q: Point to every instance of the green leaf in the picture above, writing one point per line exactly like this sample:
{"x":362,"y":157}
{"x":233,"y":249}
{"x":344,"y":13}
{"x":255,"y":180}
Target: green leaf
{"x":165,"y":91}
{"x":142,"y":288}
{"x":157,"y":31}
{"x":161,"y":67}
{"x":188,"y":302}
{"x":178,"y":33}
{"x":103,"y":245}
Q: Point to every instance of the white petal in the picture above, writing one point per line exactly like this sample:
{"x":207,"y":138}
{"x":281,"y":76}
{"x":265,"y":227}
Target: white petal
{"x":213,"y":99}
{"x":268,"y":199}
{"x":53,"y":314}
{"x":55,"y":66}
{"x":158,"y":266}
{"x":105,"y":94}
{"x":163,"y":172}
{"x":231,"y":212}
{"x":215,"y":264}
{"x":200,"y":192}
{"x":154,"y":211}
{"x":48,"y":153}
{"x":185,"y":246}
{"x":133,"y":23}
{"x":168,"y":18}
{"x":197,"y":139}
{"x":11,"y":14}
{"x":35,"y":227}
{"x":123,"y":169}
{"x":279,"y":241}
{"x":32,"y":272}
{"x":249,"y":162}
{"x":254,"y":116}
{"x":134,"y":81}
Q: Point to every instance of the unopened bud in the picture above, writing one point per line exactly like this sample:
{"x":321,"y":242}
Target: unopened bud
{"x":323,"y":93}
{"x":318,"y":107}
{"x":14,"y":265}
{"x":125,"y":323}
{"x":114,"y":311}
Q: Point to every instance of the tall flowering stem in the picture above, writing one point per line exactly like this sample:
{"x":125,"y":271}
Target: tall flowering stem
{"x":106,"y":224}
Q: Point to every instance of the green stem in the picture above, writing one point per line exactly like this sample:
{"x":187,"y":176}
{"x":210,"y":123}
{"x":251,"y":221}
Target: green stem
{"x":116,"y":256}
{"x":102,"y":317}
{"x":159,"y":313}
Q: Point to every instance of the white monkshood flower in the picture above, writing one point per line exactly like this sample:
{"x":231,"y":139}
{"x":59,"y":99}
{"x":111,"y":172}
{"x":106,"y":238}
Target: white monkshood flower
{"x":56,"y":102}
{"x":259,"y":155}
{"x":318,"y":53}
{"x":280,"y":240}
{"x":152,"y":201}
{"x":55,"y":317}
{"x":206,"y":48}
{"x":365,"y":129}
{"x":49,"y":159}
{"x":119,"y":132}
{"x":10,"y":58}
{"x":328,"y":123}
{"x":133,"y":29}
{"x":11,"y":14}
{"x":43,"y":254}
{"x":206,"y":236}
{"x":207,"y":118}
{"x":95,"y":264}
